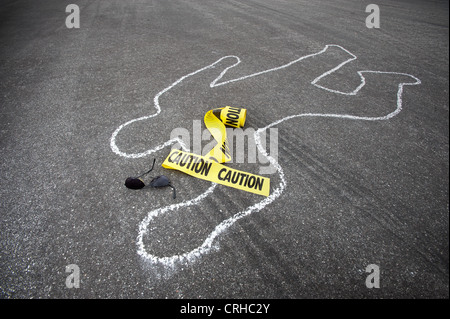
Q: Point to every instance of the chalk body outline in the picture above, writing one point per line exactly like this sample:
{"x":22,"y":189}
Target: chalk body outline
{"x":208,"y":243}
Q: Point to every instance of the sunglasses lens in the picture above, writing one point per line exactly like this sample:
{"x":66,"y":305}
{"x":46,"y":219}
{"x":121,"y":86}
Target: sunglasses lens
{"x":134,"y":183}
{"x":160,"y":181}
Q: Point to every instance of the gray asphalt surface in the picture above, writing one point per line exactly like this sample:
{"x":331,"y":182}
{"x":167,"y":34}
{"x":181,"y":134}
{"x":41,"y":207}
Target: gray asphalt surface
{"x":357,"y":192}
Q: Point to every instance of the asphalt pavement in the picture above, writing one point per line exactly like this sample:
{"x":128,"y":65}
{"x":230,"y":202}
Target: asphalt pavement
{"x":358,"y":116}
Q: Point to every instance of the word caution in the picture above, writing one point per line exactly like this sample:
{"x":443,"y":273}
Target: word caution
{"x":203,"y":168}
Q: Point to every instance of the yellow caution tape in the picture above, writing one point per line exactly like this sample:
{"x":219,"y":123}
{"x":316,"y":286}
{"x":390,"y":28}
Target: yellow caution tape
{"x":221,"y":152}
{"x":208,"y":167}
{"x":203,"y":168}
{"x":233,"y":116}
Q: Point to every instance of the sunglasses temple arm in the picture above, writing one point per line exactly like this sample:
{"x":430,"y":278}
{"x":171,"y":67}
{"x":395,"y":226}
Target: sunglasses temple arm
{"x":174,"y":191}
{"x":149,"y":170}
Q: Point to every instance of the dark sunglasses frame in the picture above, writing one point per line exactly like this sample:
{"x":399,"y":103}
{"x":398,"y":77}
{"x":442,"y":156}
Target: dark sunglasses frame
{"x":156,"y":182}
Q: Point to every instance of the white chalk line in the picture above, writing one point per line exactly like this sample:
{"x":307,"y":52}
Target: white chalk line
{"x":208,"y":243}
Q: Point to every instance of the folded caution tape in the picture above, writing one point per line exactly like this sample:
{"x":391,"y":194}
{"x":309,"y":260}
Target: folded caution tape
{"x":208,"y":167}
{"x":231,"y":116}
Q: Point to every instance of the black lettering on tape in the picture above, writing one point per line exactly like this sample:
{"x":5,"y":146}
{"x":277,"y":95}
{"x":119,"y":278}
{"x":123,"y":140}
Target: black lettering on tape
{"x":220,"y":173}
{"x":171,"y":155}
